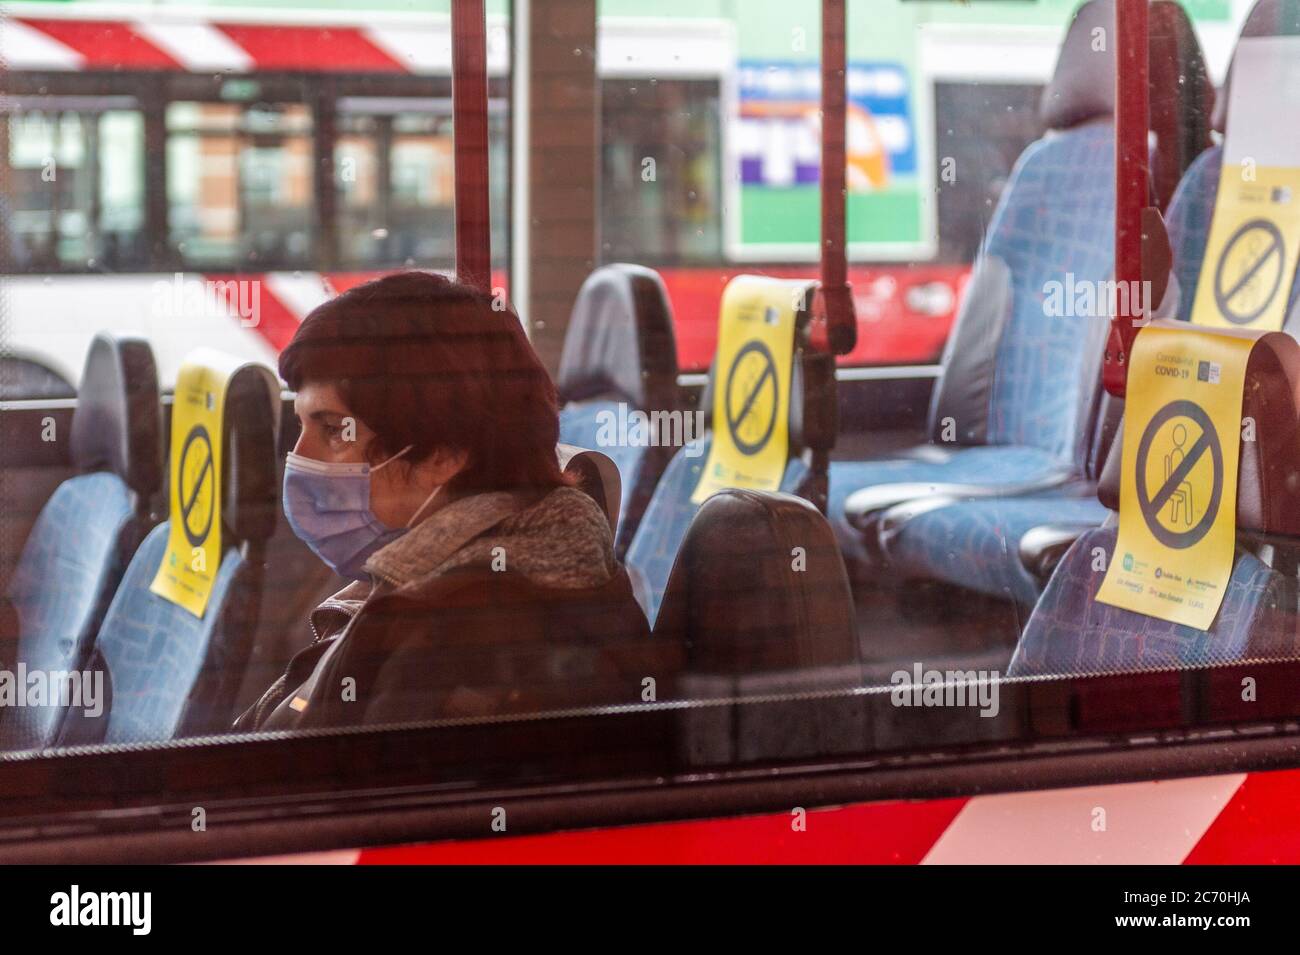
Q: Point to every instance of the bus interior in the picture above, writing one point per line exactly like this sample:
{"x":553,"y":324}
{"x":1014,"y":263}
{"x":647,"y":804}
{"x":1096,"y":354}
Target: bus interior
{"x":963,"y":528}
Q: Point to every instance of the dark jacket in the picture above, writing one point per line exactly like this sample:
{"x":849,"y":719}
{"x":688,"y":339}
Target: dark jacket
{"x":496,"y":603}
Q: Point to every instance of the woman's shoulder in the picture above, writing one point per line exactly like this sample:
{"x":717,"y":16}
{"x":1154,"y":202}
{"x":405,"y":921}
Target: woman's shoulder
{"x":569,"y":505}
{"x":533,"y":613}
{"x":562,"y":540}
{"x":558,"y":538}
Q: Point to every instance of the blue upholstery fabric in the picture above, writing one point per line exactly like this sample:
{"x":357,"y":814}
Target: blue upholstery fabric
{"x":654,"y":548}
{"x":64,"y":580}
{"x":1056,"y":219}
{"x":1070,"y":633}
{"x":1111,"y":638}
{"x":580,"y":426}
{"x":985,"y":534}
{"x":1188,"y":223}
{"x":984,"y":464}
{"x":154,"y":652}
{"x":976,"y":544}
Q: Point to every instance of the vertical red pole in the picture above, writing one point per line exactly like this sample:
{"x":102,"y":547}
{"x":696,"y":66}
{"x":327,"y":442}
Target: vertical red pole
{"x":469,"y":98}
{"x":841,"y":326}
{"x":1131,"y":175}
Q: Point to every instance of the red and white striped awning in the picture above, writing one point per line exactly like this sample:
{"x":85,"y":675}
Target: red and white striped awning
{"x":33,"y":38}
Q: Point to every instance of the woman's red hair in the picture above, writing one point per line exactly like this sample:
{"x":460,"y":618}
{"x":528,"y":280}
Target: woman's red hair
{"x":431,"y":363}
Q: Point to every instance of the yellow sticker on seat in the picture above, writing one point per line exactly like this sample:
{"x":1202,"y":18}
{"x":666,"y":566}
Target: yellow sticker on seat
{"x":1251,"y":251}
{"x":751,"y":395}
{"x":193,"y":556}
{"x":1178,"y":490}
{"x":1250,"y":256}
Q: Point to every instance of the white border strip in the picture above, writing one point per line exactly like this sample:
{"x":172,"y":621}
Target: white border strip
{"x":1123,"y":824}
{"x":977,"y":53}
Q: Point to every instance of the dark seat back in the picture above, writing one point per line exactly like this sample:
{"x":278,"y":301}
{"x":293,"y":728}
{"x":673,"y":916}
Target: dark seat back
{"x":811,"y":417}
{"x":84,"y":537}
{"x":597,"y":476}
{"x":758,"y":585}
{"x":620,"y":355}
{"x":167,"y":672}
{"x":759,"y":603}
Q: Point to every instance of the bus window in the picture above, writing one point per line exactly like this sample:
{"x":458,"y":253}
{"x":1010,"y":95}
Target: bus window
{"x":239,"y":187}
{"x":394,"y":180}
{"x":688,"y":517}
{"x":710,"y":168}
{"x":983,"y":128}
{"x":76,"y":183}
{"x":661,"y":163}
{"x":363,"y":192}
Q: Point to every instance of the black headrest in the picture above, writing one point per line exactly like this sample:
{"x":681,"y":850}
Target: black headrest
{"x":1267,"y":18}
{"x":597,"y":476}
{"x":250,"y":493}
{"x":799,"y":410}
{"x":1181,"y":95}
{"x":30,"y":379}
{"x":1268,"y":472}
{"x":118,"y":422}
{"x":759,"y":585}
{"x":1082,"y":88}
{"x":620,"y":342}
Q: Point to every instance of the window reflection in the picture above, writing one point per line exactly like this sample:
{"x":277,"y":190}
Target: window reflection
{"x":239,"y":187}
{"x":76,"y":183}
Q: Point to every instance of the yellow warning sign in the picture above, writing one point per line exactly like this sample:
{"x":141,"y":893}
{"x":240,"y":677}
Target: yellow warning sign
{"x":1250,"y":255}
{"x":751,"y":395}
{"x":1178,"y":490}
{"x":193,"y":555}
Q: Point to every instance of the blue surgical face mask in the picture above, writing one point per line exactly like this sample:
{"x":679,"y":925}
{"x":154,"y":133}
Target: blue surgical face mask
{"x":327,"y":505}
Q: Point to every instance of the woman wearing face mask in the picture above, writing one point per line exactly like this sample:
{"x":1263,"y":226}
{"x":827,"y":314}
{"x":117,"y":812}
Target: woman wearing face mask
{"x":426,"y":472}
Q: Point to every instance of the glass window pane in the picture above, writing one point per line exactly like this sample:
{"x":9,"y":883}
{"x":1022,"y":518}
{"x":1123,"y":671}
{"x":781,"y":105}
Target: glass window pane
{"x":77,"y":181}
{"x":240,"y":184}
{"x":771,"y":558}
{"x":396,"y":186}
{"x":661,"y":196}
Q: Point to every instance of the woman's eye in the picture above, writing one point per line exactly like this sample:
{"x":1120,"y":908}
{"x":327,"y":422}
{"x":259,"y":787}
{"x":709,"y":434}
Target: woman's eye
{"x":333,"y":431}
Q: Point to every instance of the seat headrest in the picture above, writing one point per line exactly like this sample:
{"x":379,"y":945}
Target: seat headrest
{"x":1266,"y":18}
{"x":1082,"y":88}
{"x":759,"y":585}
{"x":30,"y":379}
{"x":250,"y":493}
{"x":1268,"y":472}
{"x":118,"y":422}
{"x":597,"y":476}
{"x":620,"y":342}
{"x":1181,"y":95}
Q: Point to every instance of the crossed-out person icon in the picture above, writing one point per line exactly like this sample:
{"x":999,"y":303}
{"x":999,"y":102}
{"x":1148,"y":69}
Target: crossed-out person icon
{"x":1181,"y":499}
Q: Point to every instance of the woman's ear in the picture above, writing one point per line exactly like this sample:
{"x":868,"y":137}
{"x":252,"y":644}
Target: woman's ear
{"x":444,"y":464}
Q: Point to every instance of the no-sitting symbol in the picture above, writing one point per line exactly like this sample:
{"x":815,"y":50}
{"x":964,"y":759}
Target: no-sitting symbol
{"x":1179,"y":443}
{"x":1249,"y":272}
{"x":196,"y":485}
{"x":752,"y":398}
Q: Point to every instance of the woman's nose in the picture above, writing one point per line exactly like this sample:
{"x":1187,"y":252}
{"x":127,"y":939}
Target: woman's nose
{"x":303,"y":446}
